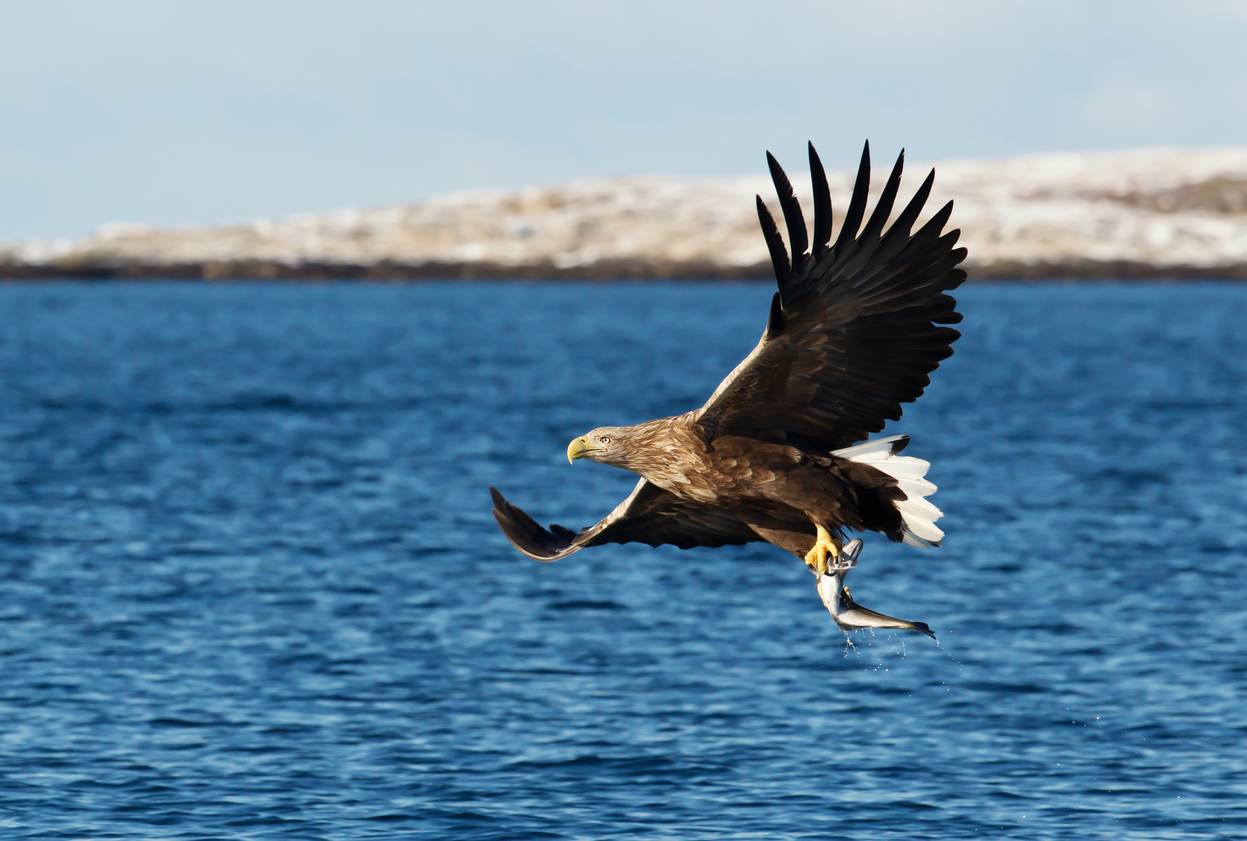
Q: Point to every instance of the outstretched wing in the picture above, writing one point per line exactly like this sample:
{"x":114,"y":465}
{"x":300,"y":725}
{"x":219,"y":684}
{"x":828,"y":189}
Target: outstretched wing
{"x":854,"y":329}
{"x":649,"y":515}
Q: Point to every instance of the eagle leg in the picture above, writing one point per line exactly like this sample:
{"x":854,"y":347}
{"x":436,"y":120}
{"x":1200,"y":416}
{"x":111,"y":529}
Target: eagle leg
{"x":824,"y":545}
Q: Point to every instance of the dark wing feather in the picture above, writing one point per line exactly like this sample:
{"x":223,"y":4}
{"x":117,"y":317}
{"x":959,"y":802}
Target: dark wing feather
{"x":775,"y":243}
{"x":792,"y":210}
{"x":855,"y":329}
{"x":822,"y":205}
{"x":649,"y":515}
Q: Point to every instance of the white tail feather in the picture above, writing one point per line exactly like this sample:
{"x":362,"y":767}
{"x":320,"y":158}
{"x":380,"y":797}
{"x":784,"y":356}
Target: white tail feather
{"x":916,"y":487}
{"x":919,"y":508}
{"x":868,"y":450}
{"x":918,"y":516}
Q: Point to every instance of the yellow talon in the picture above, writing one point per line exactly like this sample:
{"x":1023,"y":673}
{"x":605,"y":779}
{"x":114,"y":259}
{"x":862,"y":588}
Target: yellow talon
{"x":824,"y":545}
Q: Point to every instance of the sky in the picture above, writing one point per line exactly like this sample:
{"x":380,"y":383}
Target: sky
{"x":163,"y":113}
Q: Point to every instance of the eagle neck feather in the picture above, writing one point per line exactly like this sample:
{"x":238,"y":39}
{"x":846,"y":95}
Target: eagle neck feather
{"x":664,"y":451}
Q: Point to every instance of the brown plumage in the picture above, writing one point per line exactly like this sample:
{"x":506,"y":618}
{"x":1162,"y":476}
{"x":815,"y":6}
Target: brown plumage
{"x":854,"y":331}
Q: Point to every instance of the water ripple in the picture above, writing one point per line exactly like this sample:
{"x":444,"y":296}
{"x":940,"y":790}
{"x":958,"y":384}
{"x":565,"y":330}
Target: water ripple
{"x":253,"y":588}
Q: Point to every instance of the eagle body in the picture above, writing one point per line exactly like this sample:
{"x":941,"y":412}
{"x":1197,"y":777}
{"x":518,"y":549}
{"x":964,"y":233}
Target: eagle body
{"x":781,"y":451}
{"x":771,"y":486}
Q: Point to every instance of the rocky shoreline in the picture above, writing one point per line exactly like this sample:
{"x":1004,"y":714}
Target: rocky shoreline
{"x":1152,"y":213}
{"x":262,"y":271}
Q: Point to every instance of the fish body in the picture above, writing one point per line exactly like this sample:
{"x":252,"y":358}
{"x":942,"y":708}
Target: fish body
{"x":850,"y":615}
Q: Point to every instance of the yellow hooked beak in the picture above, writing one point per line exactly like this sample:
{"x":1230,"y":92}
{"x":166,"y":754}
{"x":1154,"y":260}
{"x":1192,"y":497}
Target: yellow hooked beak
{"x":579,"y":448}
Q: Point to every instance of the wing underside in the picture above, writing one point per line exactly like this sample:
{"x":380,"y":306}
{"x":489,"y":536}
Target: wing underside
{"x":649,"y":515}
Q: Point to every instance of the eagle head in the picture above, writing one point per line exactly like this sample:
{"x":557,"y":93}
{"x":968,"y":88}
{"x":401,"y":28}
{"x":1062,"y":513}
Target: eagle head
{"x":599,"y":445}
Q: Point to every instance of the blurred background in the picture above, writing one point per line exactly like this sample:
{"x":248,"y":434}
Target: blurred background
{"x":179,"y":113}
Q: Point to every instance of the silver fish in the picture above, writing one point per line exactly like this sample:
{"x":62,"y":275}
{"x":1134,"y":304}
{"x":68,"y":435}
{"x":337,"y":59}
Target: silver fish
{"x":848,"y":613}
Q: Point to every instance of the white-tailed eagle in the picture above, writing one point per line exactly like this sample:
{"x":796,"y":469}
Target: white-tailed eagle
{"x":779,"y":451}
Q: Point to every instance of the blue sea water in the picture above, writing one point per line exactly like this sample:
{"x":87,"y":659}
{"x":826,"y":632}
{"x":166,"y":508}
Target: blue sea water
{"x":252,"y":587}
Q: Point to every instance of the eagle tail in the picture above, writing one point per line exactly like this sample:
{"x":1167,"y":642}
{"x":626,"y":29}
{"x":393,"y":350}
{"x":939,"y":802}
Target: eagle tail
{"x":918,"y":516}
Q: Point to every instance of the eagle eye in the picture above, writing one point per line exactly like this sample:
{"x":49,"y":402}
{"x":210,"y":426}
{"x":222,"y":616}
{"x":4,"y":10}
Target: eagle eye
{"x":605,"y":439}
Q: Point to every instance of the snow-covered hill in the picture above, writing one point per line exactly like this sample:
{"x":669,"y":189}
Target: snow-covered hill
{"x":1149,"y":212}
